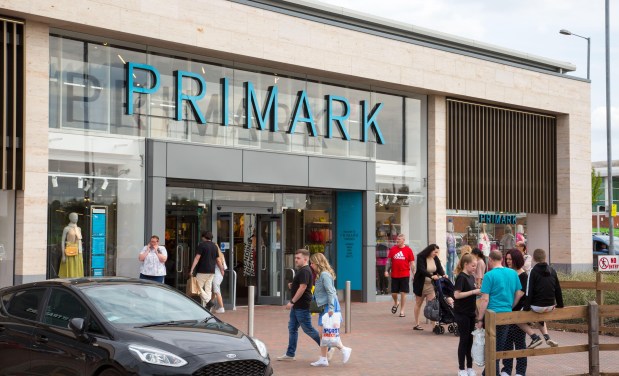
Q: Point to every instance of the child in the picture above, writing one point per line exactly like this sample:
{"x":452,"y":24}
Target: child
{"x":543,"y":295}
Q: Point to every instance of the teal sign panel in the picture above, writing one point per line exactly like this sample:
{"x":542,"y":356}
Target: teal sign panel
{"x":349,"y":238}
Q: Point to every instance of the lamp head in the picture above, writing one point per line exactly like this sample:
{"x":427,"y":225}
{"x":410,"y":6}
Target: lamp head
{"x":565,"y":32}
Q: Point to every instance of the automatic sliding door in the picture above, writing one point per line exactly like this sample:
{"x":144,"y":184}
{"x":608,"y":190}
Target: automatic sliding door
{"x":225,"y":240}
{"x":270,"y":243}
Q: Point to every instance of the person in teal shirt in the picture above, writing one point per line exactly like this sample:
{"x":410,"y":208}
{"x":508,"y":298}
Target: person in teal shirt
{"x":501,"y":290}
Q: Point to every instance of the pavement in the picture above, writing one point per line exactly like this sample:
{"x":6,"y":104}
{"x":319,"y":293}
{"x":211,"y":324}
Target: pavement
{"x":385,"y":344}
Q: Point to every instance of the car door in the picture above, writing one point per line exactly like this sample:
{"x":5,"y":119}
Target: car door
{"x":57,"y":351}
{"x":18,"y":316}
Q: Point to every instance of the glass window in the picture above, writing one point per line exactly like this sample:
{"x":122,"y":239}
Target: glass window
{"x":468,"y":230}
{"x":63,"y":306}
{"x":7,"y":236}
{"x":25,"y":303}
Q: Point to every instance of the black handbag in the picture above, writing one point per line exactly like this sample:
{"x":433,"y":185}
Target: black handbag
{"x":314,"y":308}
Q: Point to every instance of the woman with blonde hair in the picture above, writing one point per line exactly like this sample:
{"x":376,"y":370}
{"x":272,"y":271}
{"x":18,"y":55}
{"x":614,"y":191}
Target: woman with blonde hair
{"x":325,"y":295}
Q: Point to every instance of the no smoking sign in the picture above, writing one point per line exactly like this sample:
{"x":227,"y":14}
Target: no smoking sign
{"x":608,"y":263}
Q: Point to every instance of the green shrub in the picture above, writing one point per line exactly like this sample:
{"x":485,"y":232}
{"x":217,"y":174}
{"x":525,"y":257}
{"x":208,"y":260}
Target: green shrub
{"x":573,"y":297}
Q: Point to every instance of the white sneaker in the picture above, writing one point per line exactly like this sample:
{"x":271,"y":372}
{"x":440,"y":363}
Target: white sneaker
{"x":330,"y":353}
{"x":504,"y":374}
{"x":470,"y":372}
{"x":322,"y":362}
{"x":220,"y":310}
{"x":285,"y":357}
{"x":462,"y":372}
{"x":346,"y":354}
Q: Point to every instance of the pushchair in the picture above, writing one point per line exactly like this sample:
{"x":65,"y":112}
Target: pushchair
{"x":439,"y":310}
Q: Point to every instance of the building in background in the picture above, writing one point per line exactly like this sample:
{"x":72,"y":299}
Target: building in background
{"x":279,"y":125}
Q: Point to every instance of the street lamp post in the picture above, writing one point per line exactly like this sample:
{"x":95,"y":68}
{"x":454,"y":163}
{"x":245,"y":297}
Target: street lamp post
{"x":567,"y":32}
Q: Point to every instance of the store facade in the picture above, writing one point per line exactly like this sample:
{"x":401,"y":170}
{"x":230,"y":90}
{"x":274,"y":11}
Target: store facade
{"x":142,"y":132}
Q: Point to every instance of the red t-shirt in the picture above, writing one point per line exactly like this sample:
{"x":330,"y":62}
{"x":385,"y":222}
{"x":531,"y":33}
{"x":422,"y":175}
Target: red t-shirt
{"x":400,"y":259}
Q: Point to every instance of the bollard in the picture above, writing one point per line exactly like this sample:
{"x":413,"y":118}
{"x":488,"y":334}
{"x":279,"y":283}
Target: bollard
{"x":347,"y":303}
{"x":250,"y":319}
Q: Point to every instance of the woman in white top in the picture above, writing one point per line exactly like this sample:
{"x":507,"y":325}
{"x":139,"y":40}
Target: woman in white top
{"x":152,"y":261}
{"x":217,"y":283}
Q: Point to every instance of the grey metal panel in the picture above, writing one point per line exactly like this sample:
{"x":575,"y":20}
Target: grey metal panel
{"x":157,"y":154}
{"x":371,"y":175}
{"x":155,"y":209}
{"x":337,"y":173}
{"x":275,"y":168}
{"x":369,"y":245}
{"x":204,"y":163}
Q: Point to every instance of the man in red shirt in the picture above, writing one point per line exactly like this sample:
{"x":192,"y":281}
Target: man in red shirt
{"x":400,"y":262}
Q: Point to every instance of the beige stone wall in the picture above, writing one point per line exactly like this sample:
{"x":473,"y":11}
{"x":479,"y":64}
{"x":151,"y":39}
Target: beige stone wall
{"x":224,"y":29}
{"x":437,"y":170}
{"x":31,"y":203}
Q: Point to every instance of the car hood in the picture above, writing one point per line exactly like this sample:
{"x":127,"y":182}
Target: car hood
{"x":194,"y":339}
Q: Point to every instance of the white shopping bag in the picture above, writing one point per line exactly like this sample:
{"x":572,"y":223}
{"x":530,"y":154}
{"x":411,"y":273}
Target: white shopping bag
{"x":479,"y":347}
{"x":331,"y":329}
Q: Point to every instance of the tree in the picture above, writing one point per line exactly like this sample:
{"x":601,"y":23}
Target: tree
{"x":597,"y":188}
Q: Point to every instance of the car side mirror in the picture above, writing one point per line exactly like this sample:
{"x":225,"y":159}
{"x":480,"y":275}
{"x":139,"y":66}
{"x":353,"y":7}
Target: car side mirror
{"x":78,"y":327}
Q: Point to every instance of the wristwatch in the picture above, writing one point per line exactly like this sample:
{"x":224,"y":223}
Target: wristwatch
{"x":291,"y":302}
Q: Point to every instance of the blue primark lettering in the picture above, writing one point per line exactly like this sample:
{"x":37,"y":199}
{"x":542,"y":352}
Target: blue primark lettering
{"x":339,"y":120}
{"x":251,"y":106}
{"x":303,"y":105}
{"x":192,"y":99}
{"x":224,"y":93}
{"x":131,"y":88}
{"x":371,"y":122}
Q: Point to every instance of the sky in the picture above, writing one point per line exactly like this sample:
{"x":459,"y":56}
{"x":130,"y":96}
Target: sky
{"x":529,"y":26}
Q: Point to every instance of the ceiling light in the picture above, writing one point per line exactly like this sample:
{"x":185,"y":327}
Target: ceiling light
{"x":395,"y":198}
{"x":80,"y":183}
{"x":104,"y":185}
{"x":55,"y":181}
{"x":87,"y":185}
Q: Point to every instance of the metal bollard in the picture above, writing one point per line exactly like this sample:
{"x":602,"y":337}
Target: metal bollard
{"x":250,"y":319}
{"x":347,"y":304}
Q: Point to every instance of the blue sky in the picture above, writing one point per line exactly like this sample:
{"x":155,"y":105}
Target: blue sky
{"x":530,"y":26}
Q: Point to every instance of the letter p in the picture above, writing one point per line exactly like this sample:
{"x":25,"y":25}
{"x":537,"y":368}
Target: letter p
{"x":132,"y":88}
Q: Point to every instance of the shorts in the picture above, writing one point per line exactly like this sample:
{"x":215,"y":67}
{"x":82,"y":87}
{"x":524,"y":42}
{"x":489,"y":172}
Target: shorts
{"x":537,"y":309}
{"x":217,"y":283}
{"x":428,"y":289}
{"x":400,"y":285}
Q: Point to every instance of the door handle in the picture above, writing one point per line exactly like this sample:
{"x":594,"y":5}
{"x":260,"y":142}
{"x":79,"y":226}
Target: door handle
{"x":264,"y":256}
{"x":179,"y":249}
{"x":41,"y":339}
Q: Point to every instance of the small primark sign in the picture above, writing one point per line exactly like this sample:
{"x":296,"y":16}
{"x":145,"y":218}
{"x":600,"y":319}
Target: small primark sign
{"x":498,"y":219}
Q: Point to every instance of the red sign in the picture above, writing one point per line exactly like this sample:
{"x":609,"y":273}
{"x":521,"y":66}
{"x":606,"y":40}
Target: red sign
{"x":608,"y":263}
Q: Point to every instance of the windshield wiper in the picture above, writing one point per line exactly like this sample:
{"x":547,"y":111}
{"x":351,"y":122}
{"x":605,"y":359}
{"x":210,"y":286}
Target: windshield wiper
{"x":170,"y":322}
{"x":209,"y":319}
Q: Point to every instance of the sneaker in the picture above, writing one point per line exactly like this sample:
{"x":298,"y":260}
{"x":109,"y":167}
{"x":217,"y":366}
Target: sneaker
{"x":285,"y":357}
{"x":535,"y":341}
{"x":504,"y":374}
{"x":330,"y":353}
{"x":552,"y":343}
{"x":346,"y":354}
{"x":462,"y":373}
{"x":220,"y":310}
{"x":322,"y":362}
{"x":470,"y":372}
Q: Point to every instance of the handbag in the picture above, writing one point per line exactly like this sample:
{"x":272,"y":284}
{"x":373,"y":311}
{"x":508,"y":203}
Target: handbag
{"x":71,"y":249}
{"x":315,"y":308}
{"x":193,"y":287}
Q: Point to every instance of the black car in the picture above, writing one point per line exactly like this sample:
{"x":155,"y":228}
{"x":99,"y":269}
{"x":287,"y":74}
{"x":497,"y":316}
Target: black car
{"x":118,"y":326}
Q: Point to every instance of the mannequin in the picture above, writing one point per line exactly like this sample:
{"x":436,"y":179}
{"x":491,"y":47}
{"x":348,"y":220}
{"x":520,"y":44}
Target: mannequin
{"x":71,"y":266}
{"x":451,"y":250}
{"x":519,"y":233}
{"x":508,"y":241}
{"x":484,"y":241}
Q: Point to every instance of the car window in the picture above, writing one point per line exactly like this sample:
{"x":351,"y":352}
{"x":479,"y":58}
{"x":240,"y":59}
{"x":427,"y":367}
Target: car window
{"x":61,"y":307}
{"x":25,"y":303}
{"x":136,"y":304}
{"x":5,"y":301}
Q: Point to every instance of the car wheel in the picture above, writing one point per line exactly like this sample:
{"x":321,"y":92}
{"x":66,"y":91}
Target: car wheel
{"x":110,"y":372}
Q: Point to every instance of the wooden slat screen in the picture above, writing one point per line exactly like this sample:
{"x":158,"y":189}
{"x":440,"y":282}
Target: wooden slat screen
{"x":11,"y":104}
{"x":499,"y":159}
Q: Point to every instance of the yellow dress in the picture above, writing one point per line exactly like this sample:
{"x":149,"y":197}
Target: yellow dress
{"x":73,"y":265}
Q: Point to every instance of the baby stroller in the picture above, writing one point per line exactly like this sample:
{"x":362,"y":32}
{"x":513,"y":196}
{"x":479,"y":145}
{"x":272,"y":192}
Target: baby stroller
{"x":440,"y":310}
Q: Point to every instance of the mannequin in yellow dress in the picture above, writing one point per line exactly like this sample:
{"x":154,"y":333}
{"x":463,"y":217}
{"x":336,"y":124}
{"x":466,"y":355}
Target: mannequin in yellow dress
{"x":71,"y":266}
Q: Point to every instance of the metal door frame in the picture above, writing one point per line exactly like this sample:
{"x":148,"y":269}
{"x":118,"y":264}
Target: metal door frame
{"x":274,"y":300}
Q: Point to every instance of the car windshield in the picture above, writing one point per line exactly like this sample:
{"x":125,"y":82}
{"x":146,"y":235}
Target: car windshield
{"x":142,"y":304}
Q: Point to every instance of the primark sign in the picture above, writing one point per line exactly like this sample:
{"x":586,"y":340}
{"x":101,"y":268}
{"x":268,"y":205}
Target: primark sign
{"x":302,"y":112}
{"x":498,"y":219}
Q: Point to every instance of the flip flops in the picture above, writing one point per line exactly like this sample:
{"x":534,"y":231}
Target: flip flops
{"x":394,"y":309}
{"x":402,"y":315}
{"x":417,"y":327}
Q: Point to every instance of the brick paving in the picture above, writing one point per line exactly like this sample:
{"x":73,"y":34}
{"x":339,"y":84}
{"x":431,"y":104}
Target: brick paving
{"x":385,"y":344}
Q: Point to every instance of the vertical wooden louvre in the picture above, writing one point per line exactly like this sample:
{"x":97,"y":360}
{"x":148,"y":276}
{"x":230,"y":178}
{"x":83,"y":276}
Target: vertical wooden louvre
{"x":11,"y":104}
{"x":500,"y":159}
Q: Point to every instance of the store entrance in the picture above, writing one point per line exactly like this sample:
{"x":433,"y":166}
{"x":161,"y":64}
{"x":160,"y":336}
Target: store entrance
{"x":253,"y":243}
{"x":182,"y":235}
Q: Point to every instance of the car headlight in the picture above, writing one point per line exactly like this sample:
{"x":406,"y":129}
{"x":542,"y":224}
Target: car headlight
{"x":262,"y":348}
{"x":156,"y":356}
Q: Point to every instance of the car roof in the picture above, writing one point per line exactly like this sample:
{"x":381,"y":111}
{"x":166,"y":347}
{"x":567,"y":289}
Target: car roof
{"x":604,"y":239}
{"x":83,"y":281}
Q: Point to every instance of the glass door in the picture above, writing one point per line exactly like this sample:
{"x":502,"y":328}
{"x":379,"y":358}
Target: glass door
{"x":225,"y":241}
{"x":270,"y":241}
{"x":181,"y":238}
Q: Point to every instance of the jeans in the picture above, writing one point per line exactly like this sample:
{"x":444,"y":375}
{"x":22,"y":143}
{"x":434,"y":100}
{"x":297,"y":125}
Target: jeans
{"x":502,"y":332}
{"x":516,"y":341}
{"x":451,"y":261}
{"x":302,"y":318}
{"x":156,"y":278}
